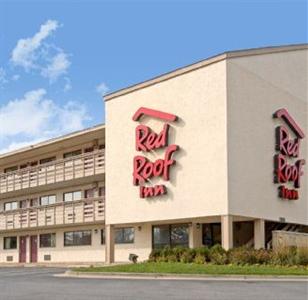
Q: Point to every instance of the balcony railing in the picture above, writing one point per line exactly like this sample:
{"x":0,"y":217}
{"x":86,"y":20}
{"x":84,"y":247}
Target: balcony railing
{"x":56,"y":171}
{"x":62,"y":213}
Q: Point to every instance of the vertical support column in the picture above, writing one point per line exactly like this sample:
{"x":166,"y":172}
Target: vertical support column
{"x":227,"y":232}
{"x":194,"y":235}
{"x":259,"y":233}
{"x":109,"y":229}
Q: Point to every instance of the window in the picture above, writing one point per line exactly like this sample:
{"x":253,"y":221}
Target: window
{"x":47,"y":200}
{"x":72,"y":153}
{"x":170,"y":235}
{"x":211,"y":234}
{"x":48,"y":240}
{"x":103,"y":238}
{"x":89,"y":193}
{"x":23,"y":204}
{"x":78,"y":238}
{"x":10,"y":243}
{"x":124,"y":235}
{"x":10,"y":169}
{"x":10,"y":205}
{"x":88,"y":150}
{"x":33,"y":202}
{"x":101,"y":191}
{"x":47,"y":160}
{"x":72,"y":196}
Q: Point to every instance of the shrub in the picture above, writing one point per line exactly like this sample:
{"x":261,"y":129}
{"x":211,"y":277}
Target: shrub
{"x":199,"y":259}
{"x":178,"y":251}
{"x":302,"y":256}
{"x":218,"y":255}
{"x":166,"y":252}
{"x":285,"y":256}
{"x":263,"y":256}
{"x":203,"y":251}
{"x":172,"y":258}
{"x":188,"y":256}
{"x":155,"y":255}
{"x":244,"y":255}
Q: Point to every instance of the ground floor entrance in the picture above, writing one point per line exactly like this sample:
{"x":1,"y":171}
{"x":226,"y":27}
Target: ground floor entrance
{"x":23,"y":249}
{"x":33,"y":248}
{"x":228,"y":231}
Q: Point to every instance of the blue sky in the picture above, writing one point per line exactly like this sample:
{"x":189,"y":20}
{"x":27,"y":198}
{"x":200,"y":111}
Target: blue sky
{"x":57,"y":58}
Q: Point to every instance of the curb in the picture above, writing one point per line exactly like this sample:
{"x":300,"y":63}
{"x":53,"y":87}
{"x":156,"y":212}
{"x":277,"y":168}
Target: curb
{"x":158,"y":276}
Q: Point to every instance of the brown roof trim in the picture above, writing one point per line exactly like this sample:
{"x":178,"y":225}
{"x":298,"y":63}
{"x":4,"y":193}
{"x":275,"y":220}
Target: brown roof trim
{"x":203,"y":63}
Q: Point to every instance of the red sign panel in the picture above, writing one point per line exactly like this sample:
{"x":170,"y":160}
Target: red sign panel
{"x":289,"y":150}
{"x":147,"y":140}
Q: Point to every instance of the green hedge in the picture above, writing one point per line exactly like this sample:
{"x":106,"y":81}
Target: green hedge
{"x":288,"y":256}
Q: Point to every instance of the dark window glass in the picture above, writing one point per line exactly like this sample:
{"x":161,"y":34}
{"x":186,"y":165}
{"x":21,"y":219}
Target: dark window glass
{"x":23,"y":204}
{"x":33,"y":202}
{"x":10,"y":169}
{"x":77,"y":238}
{"x":89,"y":193}
{"x":124,"y":235}
{"x":170,"y":235}
{"x":179,"y":235}
{"x":47,"y":160}
{"x":161,"y":236}
{"x":101,"y":191}
{"x":72,"y":153}
{"x":48,"y":240}
{"x":10,"y":242}
{"x":103,"y":237}
{"x":211,"y":234}
{"x":88,"y":150}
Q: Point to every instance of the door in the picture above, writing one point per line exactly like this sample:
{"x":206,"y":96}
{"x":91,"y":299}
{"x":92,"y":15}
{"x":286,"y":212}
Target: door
{"x":33,"y":248}
{"x":22,"y":249}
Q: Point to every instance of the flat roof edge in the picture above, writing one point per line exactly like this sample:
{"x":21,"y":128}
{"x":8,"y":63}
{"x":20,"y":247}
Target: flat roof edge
{"x":204,"y":63}
{"x":52,"y":141}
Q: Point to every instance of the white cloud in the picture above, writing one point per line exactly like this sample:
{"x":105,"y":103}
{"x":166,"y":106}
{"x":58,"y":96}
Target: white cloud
{"x":17,"y":145}
{"x":34,"y":117}
{"x":68,"y":84}
{"x":24,"y":54}
{"x":35,"y":54}
{"x":15,"y":77}
{"x":3,"y":79}
{"x":102,"y":88}
{"x":58,"y":66}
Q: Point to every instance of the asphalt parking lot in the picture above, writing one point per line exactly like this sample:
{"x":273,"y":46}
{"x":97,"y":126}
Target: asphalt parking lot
{"x":40,"y":284}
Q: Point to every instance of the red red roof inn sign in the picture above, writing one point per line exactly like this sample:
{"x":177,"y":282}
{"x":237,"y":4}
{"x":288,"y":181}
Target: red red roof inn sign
{"x":146,"y":141}
{"x":288,"y":150}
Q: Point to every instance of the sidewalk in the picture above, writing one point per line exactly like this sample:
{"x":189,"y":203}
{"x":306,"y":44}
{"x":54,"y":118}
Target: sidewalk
{"x":158,"y":276}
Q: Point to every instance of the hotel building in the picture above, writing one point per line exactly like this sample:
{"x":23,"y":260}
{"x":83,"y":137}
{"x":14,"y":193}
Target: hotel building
{"x":214,"y":152}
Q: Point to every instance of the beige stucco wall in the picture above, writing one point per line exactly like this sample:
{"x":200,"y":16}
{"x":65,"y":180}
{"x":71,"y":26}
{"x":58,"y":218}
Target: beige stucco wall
{"x":142,"y":245}
{"x":61,"y":253}
{"x":287,"y":239}
{"x":198,"y":184}
{"x":257,"y":86}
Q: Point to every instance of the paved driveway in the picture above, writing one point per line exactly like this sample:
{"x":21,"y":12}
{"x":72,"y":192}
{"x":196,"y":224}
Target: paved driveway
{"x":39,"y":284}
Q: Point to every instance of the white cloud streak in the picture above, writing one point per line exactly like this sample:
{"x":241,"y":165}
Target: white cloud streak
{"x":35,"y":54}
{"x":24,"y":54}
{"x":58,"y":66}
{"x":34,"y":117}
{"x":102,"y":89}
